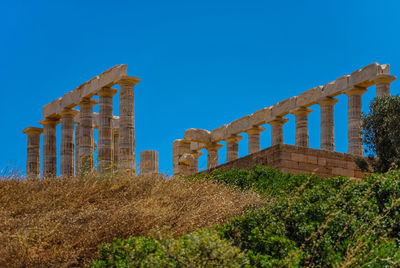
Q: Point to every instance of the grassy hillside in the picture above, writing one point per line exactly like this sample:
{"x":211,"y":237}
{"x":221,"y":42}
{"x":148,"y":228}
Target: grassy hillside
{"x":61,"y":222}
{"x":306,"y":222}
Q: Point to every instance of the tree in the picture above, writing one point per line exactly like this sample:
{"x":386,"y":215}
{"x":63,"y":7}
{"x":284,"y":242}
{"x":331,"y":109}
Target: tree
{"x":381,"y":130}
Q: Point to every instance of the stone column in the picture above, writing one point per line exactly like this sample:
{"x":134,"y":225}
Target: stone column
{"x":195,"y":167}
{"x":127,"y":125}
{"x":383,"y":85}
{"x":277,"y":130}
{"x":105,"y":156}
{"x":327,"y":123}
{"x":67,"y":165}
{"x":148,"y":162}
{"x":33,"y":152}
{"x":354,"y":120}
{"x":115,"y":147}
{"x":49,"y":146}
{"x":182,"y":160}
{"x":254,"y":138}
{"x":86,"y":135}
{"x":232,"y":147}
{"x":212,"y":154}
{"x":301,"y":115}
{"x":77,"y":168}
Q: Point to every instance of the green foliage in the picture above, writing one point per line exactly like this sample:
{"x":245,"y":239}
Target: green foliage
{"x":203,"y":248}
{"x":381,"y":131}
{"x":306,"y":221}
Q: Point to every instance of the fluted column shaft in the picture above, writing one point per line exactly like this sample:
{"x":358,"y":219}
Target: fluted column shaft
{"x":277,"y":130}
{"x":77,"y":167}
{"x":86,"y":142}
{"x":127,"y":125}
{"x":115,"y":147}
{"x":182,"y":160}
{"x":301,"y":115}
{"x":327,"y":123}
{"x":33,"y":152}
{"x":354,"y":120}
{"x":105,"y":156}
{"x":232,"y":147}
{"x":195,"y":167}
{"x":212,"y":154}
{"x":254,"y":138}
{"x":148,"y":162}
{"x":49,"y":147}
{"x":383,"y":84}
{"x":67,"y":163}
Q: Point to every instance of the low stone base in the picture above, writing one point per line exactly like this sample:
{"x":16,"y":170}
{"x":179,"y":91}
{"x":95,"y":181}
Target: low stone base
{"x":296,"y":159}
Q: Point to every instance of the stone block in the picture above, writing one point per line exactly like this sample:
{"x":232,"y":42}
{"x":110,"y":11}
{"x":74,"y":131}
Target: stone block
{"x":186,"y":159}
{"x":312,"y":159}
{"x":299,"y":157}
{"x":309,"y":97}
{"x":52,"y":109}
{"x":219,"y":134}
{"x":321,"y":161}
{"x":239,"y":125}
{"x":70,"y":99}
{"x":282,"y":108}
{"x":338,"y":171}
{"x":364,"y":76}
{"x":197,"y":146}
{"x":198,"y":135}
{"x":261,"y":117}
{"x":385,"y":68}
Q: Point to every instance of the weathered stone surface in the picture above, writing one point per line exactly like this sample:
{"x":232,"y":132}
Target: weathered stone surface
{"x":282,"y":108}
{"x":262,"y":116}
{"x":364,"y":76}
{"x":198,"y":135}
{"x":212,"y":154}
{"x":232,"y":147}
{"x":181,"y":164}
{"x":33,"y":152}
{"x":219,"y":134}
{"x":383,"y":82}
{"x":49,"y":147}
{"x":277,"y":130}
{"x":239,"y":125}
{"x":196,"y":146}
{"x":301,"y":115}
{"x":148,"y":162}
{"x":186,"y":159}
{"x":67,"y":157}
{"x":309,"y":97}
{"x":52,"y":108}
{"x":327,"y":123}
{"x":254,"y":138}
{"x":70,"y":99}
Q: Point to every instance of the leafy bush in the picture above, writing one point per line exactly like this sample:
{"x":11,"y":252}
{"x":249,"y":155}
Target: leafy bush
{"x":203,"y":248}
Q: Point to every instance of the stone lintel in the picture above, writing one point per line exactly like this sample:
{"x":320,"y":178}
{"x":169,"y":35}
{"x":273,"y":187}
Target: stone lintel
{"x":239,"y":125}
{"x":219,"y":133}
{"x":262,"y":116}
{"x":282,"y":108}
{"x":309,"y":97}
{"x":33,"y":130}
{"x":198,"y":135}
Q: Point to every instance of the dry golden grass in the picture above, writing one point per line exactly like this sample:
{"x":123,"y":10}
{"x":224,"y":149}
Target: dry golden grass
{"x":61,"y":222}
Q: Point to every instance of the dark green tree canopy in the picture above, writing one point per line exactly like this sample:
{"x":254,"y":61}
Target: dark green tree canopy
{"x":381,"y":129}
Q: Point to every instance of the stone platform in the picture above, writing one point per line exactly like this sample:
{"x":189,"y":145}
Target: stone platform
{"x":296,"y":159}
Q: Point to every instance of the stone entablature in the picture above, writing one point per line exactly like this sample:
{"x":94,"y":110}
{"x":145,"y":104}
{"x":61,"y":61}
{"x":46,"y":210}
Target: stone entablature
{"x":353,"y":85}
{"x":116,"y":142}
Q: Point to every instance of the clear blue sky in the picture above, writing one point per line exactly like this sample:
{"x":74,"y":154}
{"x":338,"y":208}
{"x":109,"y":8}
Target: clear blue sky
{"x":202,"y":63}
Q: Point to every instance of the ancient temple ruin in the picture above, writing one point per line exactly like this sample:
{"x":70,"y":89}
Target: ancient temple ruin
{"x":116,"y":139}
{"x":299,"y":158}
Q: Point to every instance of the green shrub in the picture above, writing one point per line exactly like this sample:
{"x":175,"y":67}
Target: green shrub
{"x":203,"y":248}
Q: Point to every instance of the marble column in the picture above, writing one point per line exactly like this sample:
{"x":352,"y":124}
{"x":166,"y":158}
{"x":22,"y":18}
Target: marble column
{"x":105,"y":156}
{"x":301,"y":115}
{"x":212,"y":154}
{"x":126,"y":156}
{"x":67,"y":163}
{"x":77,"y":168}
{"x":277,"y":130}
{"x":86,"y":142}
{"x":115,"y":147}
{"x":33,"y":152}
{"x":383,"y":85}
{"x":180,"y":157}
{"x":148,"y":162}
{"x":232,"y":147}
{"x":354,"y":120}
{"x":327,"y":123}
{"x":49,"y":146}
{"x":195,"y":167}
{"x":254,"y":138}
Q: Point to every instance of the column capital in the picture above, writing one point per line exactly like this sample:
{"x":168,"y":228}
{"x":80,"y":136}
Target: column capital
{"x":356,"y":91}
{"x":234,"y":138}
{"x":328,"y":101}
{"x":278,"y":121}
{"x":69,"y":111}
{"x":385,"y":79}
{"x":33,"y":130}
{"x":213,"y":146}
{"x":301,"y":111}
{"x":107,"y":92}
{"x":89,"y":101}
{"x":255,"y":130}
{"x":128,"y":80}
{"x":49,"y":121}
